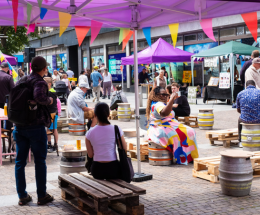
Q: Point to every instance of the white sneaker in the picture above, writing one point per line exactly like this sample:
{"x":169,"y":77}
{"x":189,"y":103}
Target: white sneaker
{"x":94,"y":99}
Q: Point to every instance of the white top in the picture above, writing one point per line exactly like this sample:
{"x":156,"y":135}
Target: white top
{"x":83,"y":78}
{"x":70,"y":73}
{"x":66,"y":81}
{"x":104,"y":146}
{"x":107,"y":78}
{"x":158,"y":82}
{"x":55,"y":78}
{"x":76,"y":102}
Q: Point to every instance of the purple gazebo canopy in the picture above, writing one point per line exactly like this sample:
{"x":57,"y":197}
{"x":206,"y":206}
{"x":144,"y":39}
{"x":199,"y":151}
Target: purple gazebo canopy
{"x":159,"y":52}
{"x":12,"y":60}
{"x":117,"y":13}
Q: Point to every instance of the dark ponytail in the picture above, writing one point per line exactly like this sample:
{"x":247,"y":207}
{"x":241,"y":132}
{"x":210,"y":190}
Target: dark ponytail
{"x":102,"y":112}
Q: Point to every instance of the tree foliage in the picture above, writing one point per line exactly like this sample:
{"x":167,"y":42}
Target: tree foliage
{"x":16,"y":41}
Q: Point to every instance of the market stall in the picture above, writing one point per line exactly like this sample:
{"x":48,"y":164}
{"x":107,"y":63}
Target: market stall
{"x":223,"y":86}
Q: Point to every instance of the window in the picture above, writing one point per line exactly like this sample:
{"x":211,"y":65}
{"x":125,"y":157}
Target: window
{"x":248,"y":32}
{"x":111,"y":48}
{"x":227,"y":32}
{"x":190,"y":37}
{"x":240,"y":30}
{"x":93,"y":51}
{"x":215,"y":35}
{"x":200,"y":36}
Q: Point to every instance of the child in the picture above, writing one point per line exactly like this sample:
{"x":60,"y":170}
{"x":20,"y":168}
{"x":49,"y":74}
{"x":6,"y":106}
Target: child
{"x":54,"y":109}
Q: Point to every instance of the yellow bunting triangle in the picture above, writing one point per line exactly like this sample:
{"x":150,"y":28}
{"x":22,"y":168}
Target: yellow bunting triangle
{"x":185,"y":63}
{"x":2,"y":58}
{"x":174,"y":28}
{"x":14,"y":74}
{"x":64,"y":21}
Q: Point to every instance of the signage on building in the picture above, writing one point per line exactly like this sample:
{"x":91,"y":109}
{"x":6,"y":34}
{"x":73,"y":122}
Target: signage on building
{"x":114,"y":65}
{"x":192,"y":95}
{"x":211,"y":62}
{"x":186,"y":77}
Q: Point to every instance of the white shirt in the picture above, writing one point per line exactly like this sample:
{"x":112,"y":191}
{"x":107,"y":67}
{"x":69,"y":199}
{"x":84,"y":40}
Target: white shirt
{"x":66,"y":81}
{"x":83,"y":78}
{"x":70,"y":73}
{"x":104,"y":146}
{"x":75,"y":104}
{"x":107,"y":78}
{"x":55,"y":78}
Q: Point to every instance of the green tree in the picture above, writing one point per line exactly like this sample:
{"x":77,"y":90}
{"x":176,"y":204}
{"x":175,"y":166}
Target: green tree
{"x":15,"y":41}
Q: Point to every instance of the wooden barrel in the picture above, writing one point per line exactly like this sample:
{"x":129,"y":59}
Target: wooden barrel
{"x":235,"y":173}
{"x":206,"y":119}
{"x":76,"y":129}
{"x":124,"y":112}
{"x":250,"y":137}
{"x":73,"y":161}
{"x":159,"y":156}
{"x":63,"y":113}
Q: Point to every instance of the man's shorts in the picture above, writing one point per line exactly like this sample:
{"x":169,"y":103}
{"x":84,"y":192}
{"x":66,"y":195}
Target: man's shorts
{"x":54,"y":123}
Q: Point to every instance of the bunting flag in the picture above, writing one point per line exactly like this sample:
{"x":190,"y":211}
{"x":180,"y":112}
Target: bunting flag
{"x":2,"y":58}
{"x":15,"y":13}
{"x":30,"y":29}
{"x":95,"y":28}
{"x":174,"y":28}
{"x":46,"y":1}
{"x":251,"y":22}
{"x":40,"y":3}
{"x":43,"y":12}
{"x":206,"y":25}
{"x":81,"y":32}
{"x":147,"y":34}
{"x":29,"y":11}
{"x":64,"y":21}
{"x":126,"y":39}
{"x":123,"y":34}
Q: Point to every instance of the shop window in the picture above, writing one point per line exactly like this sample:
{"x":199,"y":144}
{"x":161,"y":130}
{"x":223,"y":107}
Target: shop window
{"x":97,"y":51}
{"x":140,"y":44}
{"x":111,"y":48}
{"x":93,"y":51}
{"x":215,"y":35}
{"x":227,"y":32}
{"x":101,"y":50}
{"x":190,"y":37}
{"x":179,"y":39}
{"x":248,"y":32}
{"x":240,"y":30}
{"x":200,"y":36}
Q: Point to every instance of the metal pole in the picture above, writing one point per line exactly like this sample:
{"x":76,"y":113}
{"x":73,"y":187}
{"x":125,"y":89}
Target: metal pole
{"x":137,"y":102}
{"x":28,"y":69}
{"x":122,"y":80}
{"x":202,"y":74}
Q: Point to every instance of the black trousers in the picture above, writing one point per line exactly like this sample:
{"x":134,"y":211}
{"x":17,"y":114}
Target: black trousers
{"x":239,"y":129}
{"x":102,"y":171}
{"x":179,"y":111}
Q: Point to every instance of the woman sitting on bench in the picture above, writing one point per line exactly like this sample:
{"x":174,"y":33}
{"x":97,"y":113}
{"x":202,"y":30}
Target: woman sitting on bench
{"x":101,"y":145}
{"x":166,"y":131}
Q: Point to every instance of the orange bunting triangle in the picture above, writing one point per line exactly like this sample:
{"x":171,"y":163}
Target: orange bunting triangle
{"x":126,"y":39}
{"x":81,"y":32}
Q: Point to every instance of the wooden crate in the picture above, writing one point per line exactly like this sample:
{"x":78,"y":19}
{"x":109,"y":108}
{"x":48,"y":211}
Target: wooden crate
{"x":191,"y":121}
{"x":208,"y":168}
{"x":62,"y":125}
{"x":102,"y":197}
{"x":224,"y":136}
{"x":132,"y":150}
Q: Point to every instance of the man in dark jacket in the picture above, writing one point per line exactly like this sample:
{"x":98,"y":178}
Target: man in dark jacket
{"x":7,"y":83}
{"x":247,"y":64}
{"x":34,"y":136}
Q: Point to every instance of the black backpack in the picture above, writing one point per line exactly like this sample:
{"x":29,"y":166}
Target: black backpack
{"x":20,"y":111}
{"x":115,"y":100}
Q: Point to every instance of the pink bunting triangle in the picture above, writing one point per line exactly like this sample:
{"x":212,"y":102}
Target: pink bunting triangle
{"x":206,"y":25}
{"x":95,"y":28}
{"x":30,"y":29}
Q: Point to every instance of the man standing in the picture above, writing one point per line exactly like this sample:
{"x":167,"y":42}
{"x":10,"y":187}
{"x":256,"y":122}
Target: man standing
{"x":6,"y":85}
{"x":253,"y":72}
{"x":143,"y":76}
{"x":95,"y":78}
{"x":255,"y":54}
{"x":248,"y":106}
{"x":76,"y":104}
{"x":70,"y":73}
{"x":181,"y":105}
{"x":34,"y":136}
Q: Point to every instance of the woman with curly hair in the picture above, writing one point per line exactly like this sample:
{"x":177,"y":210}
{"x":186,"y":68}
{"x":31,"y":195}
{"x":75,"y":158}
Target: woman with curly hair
{"x":166,"y":131}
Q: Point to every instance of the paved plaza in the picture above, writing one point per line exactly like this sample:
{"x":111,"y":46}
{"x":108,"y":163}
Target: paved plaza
{"x":173,"y":189}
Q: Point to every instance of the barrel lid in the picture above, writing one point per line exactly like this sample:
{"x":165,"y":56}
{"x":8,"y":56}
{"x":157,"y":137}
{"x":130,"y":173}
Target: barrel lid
{"x":83,"y":149}
{"x":248,"y":124}
{"x":237,"y":153}
{"x":206,"y":109}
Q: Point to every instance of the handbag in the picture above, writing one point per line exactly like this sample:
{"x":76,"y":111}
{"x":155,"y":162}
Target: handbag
{"x":88,"y":163}
{"x":125,"y":163}
{"x":115,"y":100}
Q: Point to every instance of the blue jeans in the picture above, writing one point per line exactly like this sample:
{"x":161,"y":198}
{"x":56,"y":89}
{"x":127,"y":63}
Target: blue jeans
{"x":36,"y":138}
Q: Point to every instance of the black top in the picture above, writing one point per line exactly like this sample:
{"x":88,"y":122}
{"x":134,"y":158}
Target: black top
{"x":142,"y":76}
{"x":183,"y":103}
{"x":243,"y":70}
{"x":7,"y":84}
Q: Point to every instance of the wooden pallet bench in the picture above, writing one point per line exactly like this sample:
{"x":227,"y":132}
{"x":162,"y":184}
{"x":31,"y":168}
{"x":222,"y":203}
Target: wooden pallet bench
{"x":226,"y":136}
{"x":208,"y":168}
{"x":191,"y":121}
{"x":101,"y":197}
{"x":132,"y":150}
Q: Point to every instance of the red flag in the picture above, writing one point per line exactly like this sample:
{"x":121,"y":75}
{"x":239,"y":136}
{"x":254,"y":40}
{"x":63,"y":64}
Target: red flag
{"x":251,"y":22}
{"x":81,"y":32}
{"x":15,"y":12}
{"x":127,"y":38}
